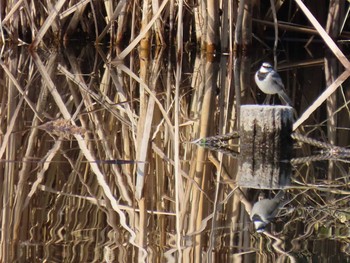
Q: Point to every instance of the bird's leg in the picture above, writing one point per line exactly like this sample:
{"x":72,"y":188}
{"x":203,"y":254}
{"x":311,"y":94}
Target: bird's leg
{"x":267,"y":99}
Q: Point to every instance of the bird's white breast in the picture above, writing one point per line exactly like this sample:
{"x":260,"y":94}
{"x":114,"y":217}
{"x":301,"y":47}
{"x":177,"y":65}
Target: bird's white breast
{"x":267,"y":85}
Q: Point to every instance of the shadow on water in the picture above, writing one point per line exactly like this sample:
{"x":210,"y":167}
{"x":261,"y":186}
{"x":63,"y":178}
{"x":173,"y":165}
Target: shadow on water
{"x":73,"y":109}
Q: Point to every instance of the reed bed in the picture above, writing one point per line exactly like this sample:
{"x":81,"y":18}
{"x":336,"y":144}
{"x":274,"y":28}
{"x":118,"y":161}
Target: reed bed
{"x":97,"y":163}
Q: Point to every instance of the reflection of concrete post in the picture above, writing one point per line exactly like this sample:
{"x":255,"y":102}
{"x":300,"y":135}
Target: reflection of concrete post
{"x":265,"y":146}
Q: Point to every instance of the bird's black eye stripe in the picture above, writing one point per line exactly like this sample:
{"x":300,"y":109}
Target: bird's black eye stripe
{"x":267,"y":66}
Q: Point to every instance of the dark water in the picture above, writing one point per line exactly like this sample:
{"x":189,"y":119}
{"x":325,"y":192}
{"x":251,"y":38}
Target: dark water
{"x":64,"y":200}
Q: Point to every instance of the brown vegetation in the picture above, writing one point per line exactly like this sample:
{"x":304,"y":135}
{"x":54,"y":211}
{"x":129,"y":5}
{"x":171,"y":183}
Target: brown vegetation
{"x":147,"y":88}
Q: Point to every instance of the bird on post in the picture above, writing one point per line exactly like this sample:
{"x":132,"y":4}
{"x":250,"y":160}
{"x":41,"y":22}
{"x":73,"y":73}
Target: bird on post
{"x":265,"y":211}
{"x":270,"y":82}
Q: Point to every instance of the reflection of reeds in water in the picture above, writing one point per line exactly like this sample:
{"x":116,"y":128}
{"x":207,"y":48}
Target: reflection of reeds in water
{"x":138,"y":104}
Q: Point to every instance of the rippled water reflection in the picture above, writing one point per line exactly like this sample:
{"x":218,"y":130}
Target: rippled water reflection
{"x":60,"y":112}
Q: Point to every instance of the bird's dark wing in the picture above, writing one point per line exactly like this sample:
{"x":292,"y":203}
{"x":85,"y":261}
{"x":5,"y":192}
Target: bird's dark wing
{"x":272,"y":209}
{"x":277,"y":79}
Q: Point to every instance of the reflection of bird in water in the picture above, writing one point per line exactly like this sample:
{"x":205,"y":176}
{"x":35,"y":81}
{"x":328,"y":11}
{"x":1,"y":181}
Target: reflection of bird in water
{"x":269,"y":82}
{"x":265,"y":210}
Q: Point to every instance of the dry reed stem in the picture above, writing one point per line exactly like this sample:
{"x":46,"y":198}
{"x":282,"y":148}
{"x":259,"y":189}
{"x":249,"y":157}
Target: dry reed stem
{"x":142,"y":34}
{"x":198,"y":20}
{"x":48,"y":22}
{"x":76,"y":18}
{"x":225,"y":176}
{"x":190,"y":180}
{"x":331,"y":103}
{"x":201,"y":173}
{"x":142,"y":231}
{"x":73,"y":9}
{"x":121,"y":92}
{"x":10,"y":171}
{"x":275,"y":22}
{"x":239,"y":23}
{"x":20,"y":90}
{"x":30,"y":148}
{"x":100,"y":202}
{"x":212,"y":36}
{"x":293,"y":27}
{"x":146,"y":108}
{"x":11,"y":12}
{"x":116,"y":77}
{"x":159,"y":29}
{"x":196,"y":82}
{"x":225,"y":33}
{"x":9,"y":130}
{"x":328,"y":40}
{"x":179,"y":190}
{"x":116,"y":13}
{"x":344,"y":76}
{"x":214,"y":222}
{"x":151,"y":93}
{"x":277,"y":245}
{"x":105,"y":102}
{"x":40,"y":175}
{"x":247,"y":25}
{"x":145,"y":134}
{"x":102,"y":135}
{"x":122,"y":21}
{"x":88,"y":155}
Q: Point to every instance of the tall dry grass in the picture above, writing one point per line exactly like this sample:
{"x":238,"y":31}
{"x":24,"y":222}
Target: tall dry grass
{"x":115,"y":178}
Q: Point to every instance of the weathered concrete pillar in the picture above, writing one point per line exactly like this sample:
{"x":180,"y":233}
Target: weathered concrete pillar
{"x":265,"y":146}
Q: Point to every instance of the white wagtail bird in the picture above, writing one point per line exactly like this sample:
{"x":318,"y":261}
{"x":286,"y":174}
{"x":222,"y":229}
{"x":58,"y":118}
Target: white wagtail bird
{"x":265,"y":211}
{"x":270,"y":82}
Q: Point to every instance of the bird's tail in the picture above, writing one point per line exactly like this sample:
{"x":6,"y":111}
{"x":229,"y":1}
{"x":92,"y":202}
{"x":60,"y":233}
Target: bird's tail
{"x":279,"y":195}
{"x":283,"y":95}
{"x":281,"y":198}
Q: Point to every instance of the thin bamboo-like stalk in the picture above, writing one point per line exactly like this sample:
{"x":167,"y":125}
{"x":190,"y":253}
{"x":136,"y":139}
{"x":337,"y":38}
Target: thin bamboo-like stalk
{"x":122,"y":21}
{"x":159,"y":28}
{"x":152,"y":94}
{"x":10,"y":171}
{"x":74,"y":21}
{"x":212,"y":37}
{"x":247,"y":25}
{"x":198,"y":24}
{"x":141,"y":35}
{"x":146,"y":108}
{"x":116,"y":13}
{"x":87,"y":153}
{"x":344,"y":76}
{"x":74,"y":8}
{"x":108,"y":151}
{"x":40,"y":175}
{"x":239,"y":24}
{"x":21,"y":91}
{"x":25,"y":171}
{"x":105,"y":102}
{"x":114,"y":76}
{"x":331,"y":71}
{"x":47,"y":24}
{"x":328,"y":40}
{"x":274,"y":15}
{"x":121,"y":91}
{"x":293,"y":27}
{"x":12,"y":12}
{"x":179,"y":194}
{"x":201,"y":172}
